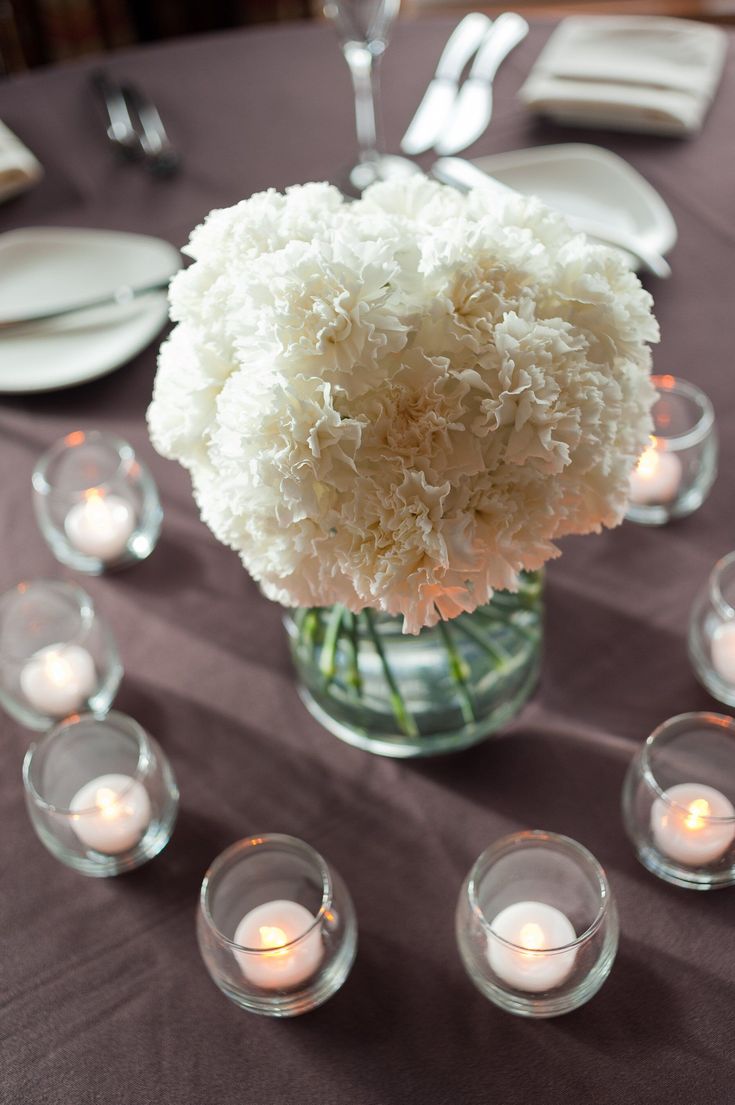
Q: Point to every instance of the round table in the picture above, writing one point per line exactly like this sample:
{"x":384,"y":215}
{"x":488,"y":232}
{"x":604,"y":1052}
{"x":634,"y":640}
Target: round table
{"x":104,"y":996}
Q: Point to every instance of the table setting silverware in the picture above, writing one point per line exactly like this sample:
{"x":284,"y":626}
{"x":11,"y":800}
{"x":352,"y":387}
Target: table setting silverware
{"x":134,"y":124}
{"x":473,"y":106}
{"x":120,"y":297}
{"x":462,"y":174}
{"x":438,"y":100}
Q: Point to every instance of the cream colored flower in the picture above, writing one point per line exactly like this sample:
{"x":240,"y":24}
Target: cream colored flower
{"x":402,"y":402}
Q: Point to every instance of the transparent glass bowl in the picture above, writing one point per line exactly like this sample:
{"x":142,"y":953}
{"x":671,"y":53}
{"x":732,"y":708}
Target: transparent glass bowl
{"x":57,"y":656}
{"x":712,"y":631}
{"x":536,"y":924}
{"x":100,"y":793}
{"x":96,"y":504}
{"x":679,"y":801}
{"x":276,"y":926}
{"x":675,"y":473}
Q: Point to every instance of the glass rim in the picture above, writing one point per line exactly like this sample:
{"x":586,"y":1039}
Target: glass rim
{"x":704,"y":423}
{"x":706,"y":719}
{"x":84,"y":608}
{"x":73,"y":440}
{"x":256,"y":841}
{"x":129,"y":724}
{"x":718,"y":598}
{"x":539,"y":838}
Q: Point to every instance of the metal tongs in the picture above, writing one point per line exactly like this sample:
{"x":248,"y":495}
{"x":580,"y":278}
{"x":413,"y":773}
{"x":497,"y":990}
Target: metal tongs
{"x":134,"y":125}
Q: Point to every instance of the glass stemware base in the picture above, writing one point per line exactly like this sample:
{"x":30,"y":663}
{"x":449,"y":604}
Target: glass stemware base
{"x":384,"y":167}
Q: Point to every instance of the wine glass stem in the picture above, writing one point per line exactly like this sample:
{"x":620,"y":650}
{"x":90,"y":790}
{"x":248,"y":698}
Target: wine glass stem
{"x":363,"y":70}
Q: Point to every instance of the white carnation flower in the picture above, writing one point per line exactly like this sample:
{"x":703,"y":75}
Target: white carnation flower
{"x":401,"y":403}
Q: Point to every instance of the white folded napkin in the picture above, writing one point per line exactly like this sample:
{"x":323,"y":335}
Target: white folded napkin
{"x":19,"y":169}
{"x":636,"y":72}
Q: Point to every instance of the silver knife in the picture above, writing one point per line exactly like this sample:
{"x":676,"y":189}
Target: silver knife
{"x":121,"y":296}
{"x":465,"y":176}
{"x":436,"y":105}
{"x":473,"y":106}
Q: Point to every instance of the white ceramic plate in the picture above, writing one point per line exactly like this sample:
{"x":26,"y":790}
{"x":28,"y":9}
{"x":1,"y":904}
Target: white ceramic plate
{"x":46,"y":268}
{"x":584,"y":180}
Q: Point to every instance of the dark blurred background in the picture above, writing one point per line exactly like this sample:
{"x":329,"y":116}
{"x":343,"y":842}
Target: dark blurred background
{"x":43,"y":32}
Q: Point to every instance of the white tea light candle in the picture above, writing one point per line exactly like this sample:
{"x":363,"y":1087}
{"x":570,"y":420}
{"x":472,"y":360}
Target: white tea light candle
{"x":58,"y":679}
{"x":111,"y":813}
{"x":723,"y":651}
{"x":535,"y":930}
{"x":687,"y":824}
{"x":656,"y":477}
{"x":286,"y":946}
{"x":100,"y":525}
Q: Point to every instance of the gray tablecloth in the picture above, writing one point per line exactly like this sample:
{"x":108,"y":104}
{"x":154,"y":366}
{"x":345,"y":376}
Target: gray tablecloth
{"x":104,"y":998}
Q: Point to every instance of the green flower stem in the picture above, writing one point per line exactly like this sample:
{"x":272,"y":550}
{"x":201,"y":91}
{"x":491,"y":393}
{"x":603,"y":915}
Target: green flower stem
{"x":307,"y":623}
{"x":499,"y":618}
{"x":405,"y":720}
{"x":500,"y":657}
{"x":458,"y":671}
{"x":354,"y":679}
{"x":328,"y":657}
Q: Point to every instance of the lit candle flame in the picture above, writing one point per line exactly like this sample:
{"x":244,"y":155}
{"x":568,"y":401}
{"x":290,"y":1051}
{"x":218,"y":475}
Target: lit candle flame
{"x":532,"y":937}
{"x":273,"y":938}
{"x":97,"y":509}
{"x":649,"y":461}
{"x":58,"y":670}
{"x":699,"y":809}
{"x":108,"y":803}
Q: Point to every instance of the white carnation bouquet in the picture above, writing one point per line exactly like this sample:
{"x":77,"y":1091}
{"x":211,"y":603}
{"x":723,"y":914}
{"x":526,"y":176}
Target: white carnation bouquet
{"x":400,"y":404}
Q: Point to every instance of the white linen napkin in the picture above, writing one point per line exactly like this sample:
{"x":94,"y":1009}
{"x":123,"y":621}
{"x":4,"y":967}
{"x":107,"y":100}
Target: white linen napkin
{"x":636,"y":72}
{"x":19,"y":169}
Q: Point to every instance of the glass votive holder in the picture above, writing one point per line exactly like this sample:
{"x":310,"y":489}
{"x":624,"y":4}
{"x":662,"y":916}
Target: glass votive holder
{"x":57,"y":656}
{"x":100,"y":793}
{"x":536,"y":924}
{"x":276,"y":926}
{"x":97,"y":505}
{"x":675,"y":472}
{"x":712,"y":631}
{"x":678,"y":801}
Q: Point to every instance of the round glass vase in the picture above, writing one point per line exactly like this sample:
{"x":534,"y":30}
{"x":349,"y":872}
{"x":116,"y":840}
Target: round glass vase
{"x":96,"y":503}
{"x":100,"y":793}
{"x":536,"y":924}
{"x":441,"y":690}
{"x":57,"y":655}
{"x":679,"y":801}
{"x":276,"y":926}
{"x":712,"y":631}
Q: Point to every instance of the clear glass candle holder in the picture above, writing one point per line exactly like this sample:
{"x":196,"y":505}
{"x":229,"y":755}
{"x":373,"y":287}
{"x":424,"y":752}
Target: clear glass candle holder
{"x":536,"y":923}
{"x":276,"y":926}
{"x":96,"y":504}
{"x":679,"y":801}
{"x":57,"y":656}
{"x":712,"y":631}
{"x":674,"y":474}
{"x":100,"y":793}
